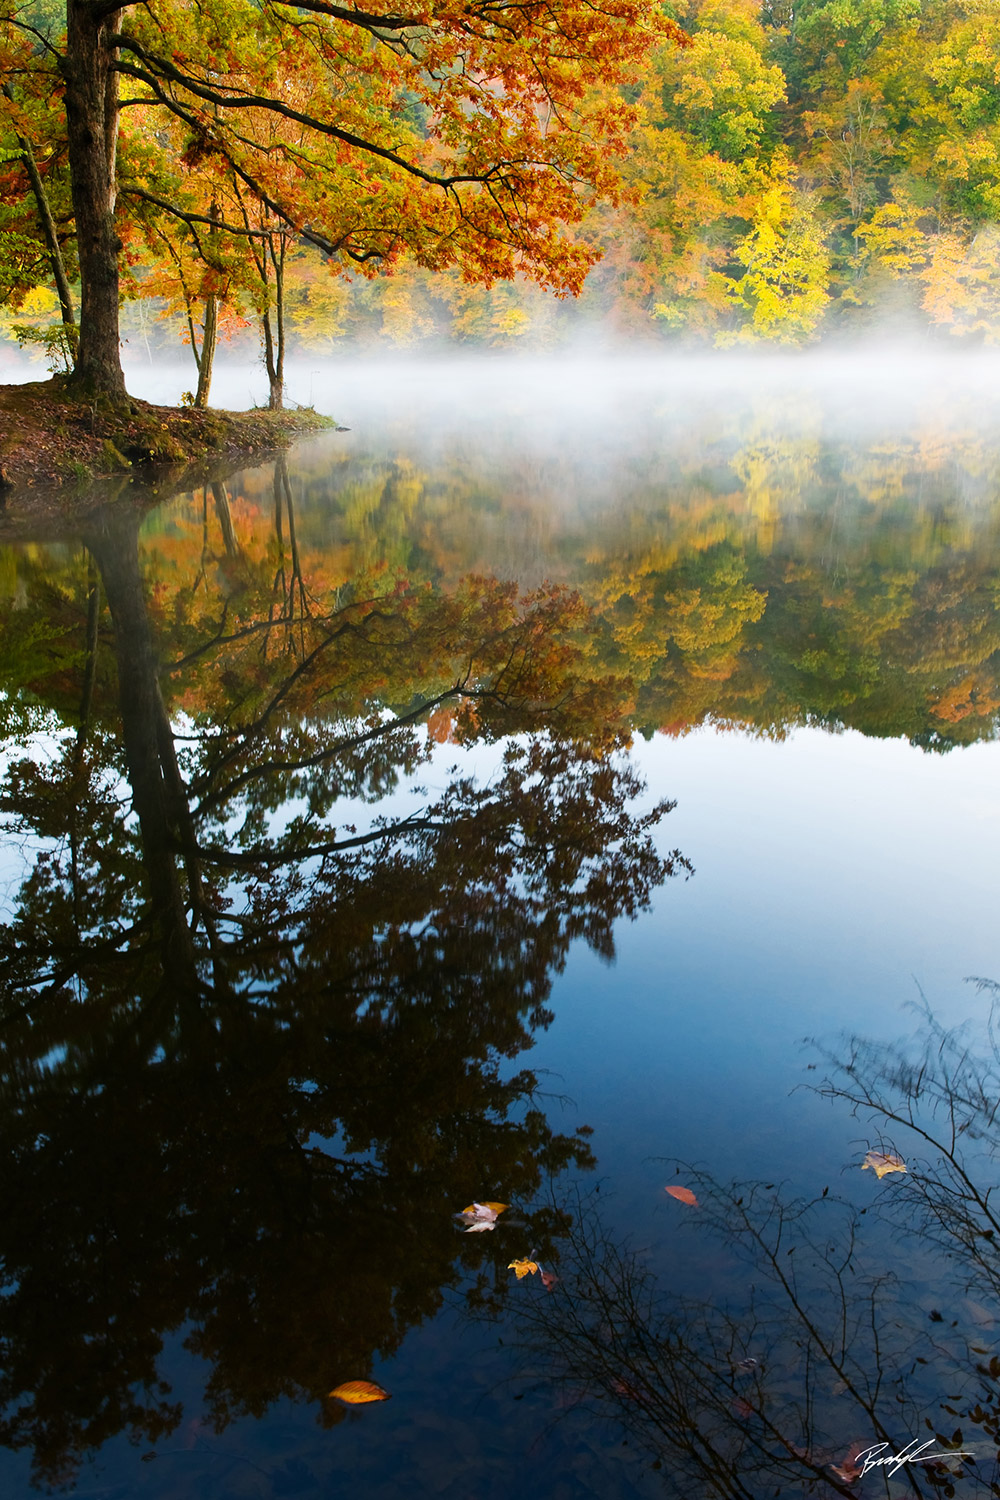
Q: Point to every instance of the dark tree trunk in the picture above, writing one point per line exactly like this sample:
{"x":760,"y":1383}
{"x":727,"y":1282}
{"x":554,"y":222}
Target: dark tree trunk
{"x":274,"y":382}
{"x":92,"y":118}
{"x":157,"y":791}
{"x":210,"y":331}
{"x":206,"y":359}
{"x":274,"y":335}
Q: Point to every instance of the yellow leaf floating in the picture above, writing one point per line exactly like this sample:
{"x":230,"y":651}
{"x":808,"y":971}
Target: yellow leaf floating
{"x":882,"y":1162}
{"x":523,"y":1268}
{"x":357,"y":1392}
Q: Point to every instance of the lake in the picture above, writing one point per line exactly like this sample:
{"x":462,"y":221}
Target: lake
{"x":500,"y":906}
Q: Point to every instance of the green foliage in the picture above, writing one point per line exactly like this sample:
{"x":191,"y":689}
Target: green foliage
{"x":57,"y":343}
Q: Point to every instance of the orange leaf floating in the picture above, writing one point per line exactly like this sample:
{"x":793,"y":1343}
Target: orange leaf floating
{"x":480,"y":1216}
{"x":883,"y":1162}
{"x":549,"y":1280}
{"x":523,"y":1268}
{"x":683,"y":1195}
{"x":357,"y":1392}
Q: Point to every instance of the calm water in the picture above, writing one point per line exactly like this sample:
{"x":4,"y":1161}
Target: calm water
{"x":572,"y":782}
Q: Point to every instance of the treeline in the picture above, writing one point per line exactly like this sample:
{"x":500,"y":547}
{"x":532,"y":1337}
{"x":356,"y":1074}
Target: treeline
{"x":802,"y":170}
{"x":797,"y":171}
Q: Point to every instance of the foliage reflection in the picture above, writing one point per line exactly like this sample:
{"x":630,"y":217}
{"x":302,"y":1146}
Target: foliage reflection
{"x":260,"y":990}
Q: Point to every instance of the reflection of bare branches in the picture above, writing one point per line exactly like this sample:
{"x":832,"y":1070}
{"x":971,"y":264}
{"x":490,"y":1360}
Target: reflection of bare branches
{"x":939,"y":1094}
{"x":765,"y":1390}
{"x":763,"y":1394}
{"x":935,"y":1099}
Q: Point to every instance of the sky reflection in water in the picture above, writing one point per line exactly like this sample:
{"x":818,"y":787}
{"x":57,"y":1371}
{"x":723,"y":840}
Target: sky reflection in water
{"x":780,"y":605}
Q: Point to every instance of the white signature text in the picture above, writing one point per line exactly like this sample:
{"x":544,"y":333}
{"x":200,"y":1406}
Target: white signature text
{"x":869,"y":1458}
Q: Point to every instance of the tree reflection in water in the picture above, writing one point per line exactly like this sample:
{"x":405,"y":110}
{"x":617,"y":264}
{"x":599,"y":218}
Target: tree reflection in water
{"x":255,"y":1053}
{"x":846,"y":1326}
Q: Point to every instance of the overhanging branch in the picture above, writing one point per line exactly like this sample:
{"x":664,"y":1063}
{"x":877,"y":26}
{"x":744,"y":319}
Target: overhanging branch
{"x":159,"y":69}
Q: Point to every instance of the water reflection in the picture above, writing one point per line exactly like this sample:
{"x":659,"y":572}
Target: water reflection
{"x":742,"y":574}
{"x":277,"y":949}
{"x":835,"y":1334}
{"x":257,"y":1019}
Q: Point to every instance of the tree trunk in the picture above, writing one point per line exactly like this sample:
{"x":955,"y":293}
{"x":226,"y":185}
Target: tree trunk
{"x":47,"y":223}
{"x":277,"y":381}
{"x":206,"y":358}
{"x":224,"y":512}
{"x":92,"y":119}
{"x":273,"y":381}
{"x":274,"y":333}
{"x":157,"y":794}
{"x":210,"y":331}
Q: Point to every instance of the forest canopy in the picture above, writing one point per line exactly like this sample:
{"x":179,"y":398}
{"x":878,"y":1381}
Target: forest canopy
{"x":712,"y":171}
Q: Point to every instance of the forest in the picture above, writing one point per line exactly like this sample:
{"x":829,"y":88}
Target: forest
{"x":723,"y":174}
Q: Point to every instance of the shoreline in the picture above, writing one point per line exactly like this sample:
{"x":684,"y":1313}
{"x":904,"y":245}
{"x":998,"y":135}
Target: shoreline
{"x":49,"y":442}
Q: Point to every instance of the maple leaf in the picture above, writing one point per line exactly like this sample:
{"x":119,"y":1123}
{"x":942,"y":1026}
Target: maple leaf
{"x":358,"y":1392}
{"x":523,"y":1268}
{"x":480,"y":1216}
{"x":682,"y":1194}
{"x":883,"y":1162}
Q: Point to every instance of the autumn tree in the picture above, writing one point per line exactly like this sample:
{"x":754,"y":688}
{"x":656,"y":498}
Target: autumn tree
{"x":451,"y":133}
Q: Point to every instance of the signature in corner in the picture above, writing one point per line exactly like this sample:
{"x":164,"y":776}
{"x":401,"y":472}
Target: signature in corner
{"x":869,"y":1458}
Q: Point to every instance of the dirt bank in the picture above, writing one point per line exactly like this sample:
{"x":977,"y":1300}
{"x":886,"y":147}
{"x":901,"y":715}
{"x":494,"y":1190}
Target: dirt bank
{"x":49,"y":441}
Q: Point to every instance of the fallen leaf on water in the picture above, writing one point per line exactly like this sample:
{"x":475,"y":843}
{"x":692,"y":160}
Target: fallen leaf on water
{"x":480,"y":1216}
{"x":356,"y":1392}
{"x":683,"y":1195}
{"x":549,"y":1279}
{"x":848,"y":1471}
{"x":522,"y":1268}
{"x":883,"y":1162}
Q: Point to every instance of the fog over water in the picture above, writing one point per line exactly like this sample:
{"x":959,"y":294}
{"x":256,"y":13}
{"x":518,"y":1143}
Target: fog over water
{"x":605,"y":400}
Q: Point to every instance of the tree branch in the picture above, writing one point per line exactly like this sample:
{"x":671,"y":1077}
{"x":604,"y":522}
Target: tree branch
{"x":163,"y":69}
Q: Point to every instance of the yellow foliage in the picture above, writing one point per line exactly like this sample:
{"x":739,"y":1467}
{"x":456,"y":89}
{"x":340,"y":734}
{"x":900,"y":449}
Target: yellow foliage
{"x":784,"y":288}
